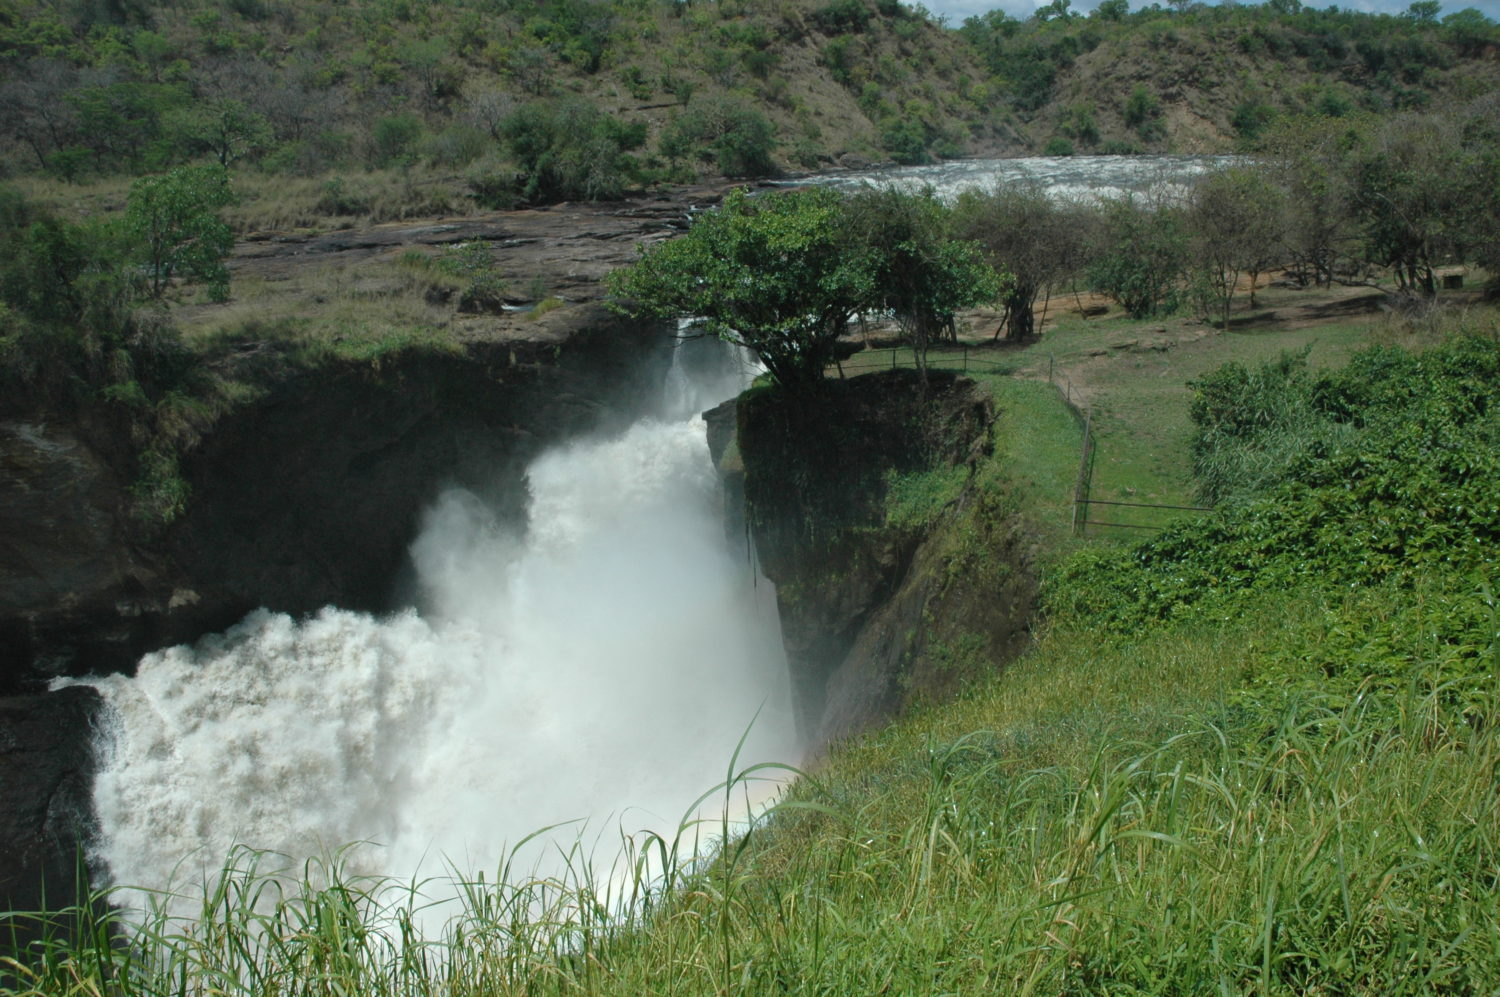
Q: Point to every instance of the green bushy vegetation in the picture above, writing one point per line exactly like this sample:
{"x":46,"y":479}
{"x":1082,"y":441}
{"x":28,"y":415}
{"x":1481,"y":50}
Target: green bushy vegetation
{"x":1286,"y":61}
{"x":787,"y":274}
{"x":1333,"y":202}
{"x":1378,"y":476}
{"x":75,"y":337}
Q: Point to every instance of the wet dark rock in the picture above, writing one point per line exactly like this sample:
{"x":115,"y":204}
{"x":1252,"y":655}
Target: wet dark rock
{"x":874,"y":613}
{"x":46,"y":767}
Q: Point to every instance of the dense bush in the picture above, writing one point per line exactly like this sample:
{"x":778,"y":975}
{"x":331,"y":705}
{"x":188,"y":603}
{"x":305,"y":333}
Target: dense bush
{"x":725,"y":129}
{"x":1389,"y":491}
{"x":568,"y":149}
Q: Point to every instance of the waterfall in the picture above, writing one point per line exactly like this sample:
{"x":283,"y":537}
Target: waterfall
{"x":599,"y":665}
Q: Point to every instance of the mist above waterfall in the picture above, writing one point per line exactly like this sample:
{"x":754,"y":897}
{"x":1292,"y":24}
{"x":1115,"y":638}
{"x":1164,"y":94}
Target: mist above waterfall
{"x":598,"y":665}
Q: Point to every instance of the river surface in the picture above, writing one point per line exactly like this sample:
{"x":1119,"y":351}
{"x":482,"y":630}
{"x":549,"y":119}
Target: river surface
{"x":594,"y":669}
{"x":1082,"y":177}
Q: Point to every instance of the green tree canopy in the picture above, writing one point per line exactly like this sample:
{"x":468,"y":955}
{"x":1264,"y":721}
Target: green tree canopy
{"x":921,"y":274}
{"x":172,"y":223}
{"x":771,"y":273}
{"x":784,"y":274}
{"x":1139,"y":256}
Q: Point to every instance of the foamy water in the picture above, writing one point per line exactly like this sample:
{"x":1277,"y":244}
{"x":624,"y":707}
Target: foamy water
{"x":598,"y":666}
{"x":1072,"y":177}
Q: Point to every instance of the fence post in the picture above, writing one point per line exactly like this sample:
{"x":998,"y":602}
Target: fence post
{"x":1051,"y":363}
{"x":966,"y":358}
{"x":1081,"y":484}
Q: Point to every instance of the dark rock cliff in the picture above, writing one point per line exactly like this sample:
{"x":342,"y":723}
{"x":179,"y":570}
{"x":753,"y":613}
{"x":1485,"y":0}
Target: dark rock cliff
{"x":875,"y":613}
{"x":306,"y":496}
{"x":46,"y":766}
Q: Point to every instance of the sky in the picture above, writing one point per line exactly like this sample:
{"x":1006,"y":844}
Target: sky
{"x":957,"y":10}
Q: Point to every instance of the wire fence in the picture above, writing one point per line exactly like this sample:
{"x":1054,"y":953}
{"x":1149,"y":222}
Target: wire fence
{"x":964,"y":359}
{"x":1083,"y":483}
{"x":968,"y":360}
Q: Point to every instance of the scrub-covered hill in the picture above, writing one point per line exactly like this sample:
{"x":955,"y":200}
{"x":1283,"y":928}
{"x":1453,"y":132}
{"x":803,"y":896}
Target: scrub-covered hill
{"x":490,"y":103}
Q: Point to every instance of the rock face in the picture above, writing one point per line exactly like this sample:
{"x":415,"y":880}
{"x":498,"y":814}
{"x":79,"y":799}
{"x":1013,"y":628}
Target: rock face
{"x":60,"y":555}
{"x":875,"y":613}
{"x":45,"y":770}
{"x":305,"y":497}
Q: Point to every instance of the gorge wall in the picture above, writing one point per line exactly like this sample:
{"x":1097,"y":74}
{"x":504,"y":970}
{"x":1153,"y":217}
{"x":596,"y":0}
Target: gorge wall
{"x":309,"y":495}
{"x":876,"y":610}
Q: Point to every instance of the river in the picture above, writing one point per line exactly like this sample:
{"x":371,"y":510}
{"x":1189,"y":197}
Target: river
{"x":1079,"y":177}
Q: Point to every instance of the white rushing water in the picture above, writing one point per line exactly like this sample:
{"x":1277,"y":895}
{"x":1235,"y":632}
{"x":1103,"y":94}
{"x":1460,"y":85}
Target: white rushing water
{"x":1074,"y":177}
{"x":600,"y":665}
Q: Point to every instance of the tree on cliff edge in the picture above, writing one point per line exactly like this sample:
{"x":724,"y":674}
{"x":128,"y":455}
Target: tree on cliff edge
{"x":784,"y":274}
{"x":771,"y":273}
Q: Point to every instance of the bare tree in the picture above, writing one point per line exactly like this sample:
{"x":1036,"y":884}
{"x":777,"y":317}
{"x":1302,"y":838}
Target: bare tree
{"x":32,"y":109}
{"x":1236,"y":218}
{"x":1026,"y":234}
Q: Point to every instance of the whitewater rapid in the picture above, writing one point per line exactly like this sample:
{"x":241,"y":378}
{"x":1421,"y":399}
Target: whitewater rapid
{"x":598,"y":666}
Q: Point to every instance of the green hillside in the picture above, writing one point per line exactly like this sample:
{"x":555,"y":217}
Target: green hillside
{"x":545,"y":100}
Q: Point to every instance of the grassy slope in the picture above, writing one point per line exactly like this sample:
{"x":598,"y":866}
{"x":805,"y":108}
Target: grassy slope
{"x":1176,"y":810}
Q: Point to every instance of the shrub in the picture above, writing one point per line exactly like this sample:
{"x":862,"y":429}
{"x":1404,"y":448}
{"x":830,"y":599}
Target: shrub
{"x":840,"y":17}
{"x":906,"y":140}
{"x":457,"y":146}
{"x":568,"y":149}
{"x":736,"y":136}
{"x":1250,"y":118}
{"x":395,"y":138}
{"x":1142,"y":108}
{"x":473,"y":264}
{"x":1392,"y":489}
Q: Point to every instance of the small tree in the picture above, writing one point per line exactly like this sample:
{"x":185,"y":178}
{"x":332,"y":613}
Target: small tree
{"x":1414,"y":200}
{"x":225,"y":128}
{"x":1140,"y":256}
{"x":173,"y":227}
{"x":771,"y":273}
{"x":1308,"y":161}
{"x":921,"y":274}
{"x":1027,"y":235}
{"x":1236,"y":219}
